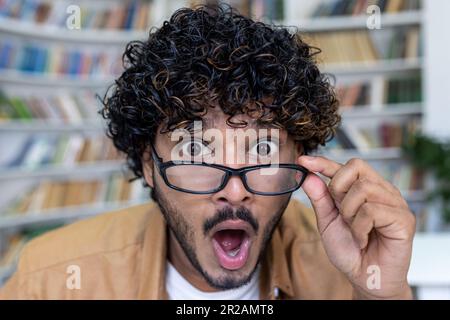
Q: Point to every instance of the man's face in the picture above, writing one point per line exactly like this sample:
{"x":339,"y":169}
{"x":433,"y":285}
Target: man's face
{"x":223,"y":234}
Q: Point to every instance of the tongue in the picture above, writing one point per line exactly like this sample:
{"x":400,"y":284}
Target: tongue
{"x":229,"y":239}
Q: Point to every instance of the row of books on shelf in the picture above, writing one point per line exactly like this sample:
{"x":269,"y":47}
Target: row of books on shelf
{"x":337,"y":48}
{"x":389,"y":91}
{"x":41,"y":150}
{"x":361,"y":46}
{"x":354,"y":94}
{"x":140,"y":14}
{"x":279,"y":10}
{"x":359,"y":7}
{"x":373,"y":136}
{"x":52,"y":108}
{"x":402,"y":175}
{"x":260,"y":9}
{"x":53,"y":194}
{"x":59,"y":59}
{"x":399,"y":90}
{"x":68,"y":107}
{"x":115,"y":15}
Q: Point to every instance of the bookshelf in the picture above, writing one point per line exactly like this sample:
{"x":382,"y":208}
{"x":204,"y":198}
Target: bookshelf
{"x":376,"y":93}
{"x":49,"y":78}
{"x":375,"y":72}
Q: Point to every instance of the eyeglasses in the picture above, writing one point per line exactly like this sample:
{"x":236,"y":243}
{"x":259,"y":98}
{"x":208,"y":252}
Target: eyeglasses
{"x":205,"y":178}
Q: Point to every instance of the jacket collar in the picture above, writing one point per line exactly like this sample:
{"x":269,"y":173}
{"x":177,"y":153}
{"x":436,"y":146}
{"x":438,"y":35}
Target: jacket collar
{"x":275,"y":281}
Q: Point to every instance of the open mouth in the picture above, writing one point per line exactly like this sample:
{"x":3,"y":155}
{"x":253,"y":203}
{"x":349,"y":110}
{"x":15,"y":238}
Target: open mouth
{"x":231,"y":245}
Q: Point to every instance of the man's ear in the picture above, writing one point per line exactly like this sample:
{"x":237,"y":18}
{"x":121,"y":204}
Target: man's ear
{"x":147,"y":167}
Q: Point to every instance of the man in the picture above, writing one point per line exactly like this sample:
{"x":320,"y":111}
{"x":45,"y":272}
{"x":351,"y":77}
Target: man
{"x":223,"y":226}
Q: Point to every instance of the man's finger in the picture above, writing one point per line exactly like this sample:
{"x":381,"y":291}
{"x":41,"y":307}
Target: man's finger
{"x":321,"y":165}
{"x":391,"y":223}
{"x":363,"y":191}
{"x":321,"y":200}
{"x":353,"y":170}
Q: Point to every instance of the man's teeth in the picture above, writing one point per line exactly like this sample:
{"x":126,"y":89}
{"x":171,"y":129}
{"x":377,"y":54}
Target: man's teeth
{"x":234,"y":252}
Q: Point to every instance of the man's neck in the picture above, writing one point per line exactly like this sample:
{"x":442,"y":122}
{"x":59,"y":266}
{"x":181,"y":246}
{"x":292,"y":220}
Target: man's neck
{"x":181,"y":263}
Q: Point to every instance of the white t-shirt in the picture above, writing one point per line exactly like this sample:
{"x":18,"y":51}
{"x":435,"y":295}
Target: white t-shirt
{"x":178,"y":288}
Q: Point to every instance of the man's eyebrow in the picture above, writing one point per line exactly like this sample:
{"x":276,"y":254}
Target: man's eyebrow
{"x":207,"y":123}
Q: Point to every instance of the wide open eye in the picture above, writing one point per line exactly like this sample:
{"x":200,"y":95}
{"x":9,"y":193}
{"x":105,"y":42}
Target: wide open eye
{"x":195,"y":148}
{"x":264,"y":148}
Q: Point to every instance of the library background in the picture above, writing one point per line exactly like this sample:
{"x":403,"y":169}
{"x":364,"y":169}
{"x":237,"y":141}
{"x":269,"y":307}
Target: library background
{"x":390,"y":65}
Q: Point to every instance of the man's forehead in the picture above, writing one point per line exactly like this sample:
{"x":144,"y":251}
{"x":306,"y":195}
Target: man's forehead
{"x":243,"y":121}
{"x":215,"y":118}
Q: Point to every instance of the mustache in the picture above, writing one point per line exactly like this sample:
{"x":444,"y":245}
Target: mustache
{"x":227,"y":213}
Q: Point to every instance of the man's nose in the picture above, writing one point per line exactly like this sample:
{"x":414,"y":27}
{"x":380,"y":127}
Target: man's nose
{"x":234,"y":193}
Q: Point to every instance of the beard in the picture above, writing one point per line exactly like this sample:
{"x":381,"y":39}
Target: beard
{"x":184,"y":234}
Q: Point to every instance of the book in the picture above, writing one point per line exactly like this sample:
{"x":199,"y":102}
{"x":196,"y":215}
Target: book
{"x":364,"y":136}
{"x":58,"y":59}
{"x":47,"y":195}
{"x":61,"y":107}
{"x":123,"y":15}
{"x":69,"y":150}
{"x":358,"y":7}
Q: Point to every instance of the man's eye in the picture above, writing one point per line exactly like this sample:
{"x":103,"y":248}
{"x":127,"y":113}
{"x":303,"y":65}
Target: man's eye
{"x":195,"y":149}
{"x":264,"y":148}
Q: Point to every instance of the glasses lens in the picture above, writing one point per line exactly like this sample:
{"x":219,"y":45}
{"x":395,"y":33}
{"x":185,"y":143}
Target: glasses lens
{"x":274,"y":180}
{"x":195,"y":178}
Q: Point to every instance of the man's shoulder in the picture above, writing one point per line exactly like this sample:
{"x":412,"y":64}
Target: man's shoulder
{"x":106,"y":232}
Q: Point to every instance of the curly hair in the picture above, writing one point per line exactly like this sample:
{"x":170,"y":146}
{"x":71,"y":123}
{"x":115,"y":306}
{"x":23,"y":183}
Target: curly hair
{"x":206,"y":54}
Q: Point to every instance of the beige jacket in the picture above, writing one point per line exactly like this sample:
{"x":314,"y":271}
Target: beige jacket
{"x":122,"y":255}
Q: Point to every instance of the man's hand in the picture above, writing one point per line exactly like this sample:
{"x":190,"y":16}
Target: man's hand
{"x":365,"y":224}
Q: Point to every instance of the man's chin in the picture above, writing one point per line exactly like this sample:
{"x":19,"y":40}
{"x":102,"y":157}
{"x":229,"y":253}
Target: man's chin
{"x":224,"y":279}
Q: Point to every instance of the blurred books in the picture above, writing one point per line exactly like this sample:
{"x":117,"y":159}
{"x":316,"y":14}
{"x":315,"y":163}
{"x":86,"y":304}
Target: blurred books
{"x":52,"y":108}
{"x":49,"y":194}
{"x":115,"y":15}
{"x":58,"y":59}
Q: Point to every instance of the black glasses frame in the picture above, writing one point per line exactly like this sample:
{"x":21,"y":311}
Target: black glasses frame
{"x":229,"y":172}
